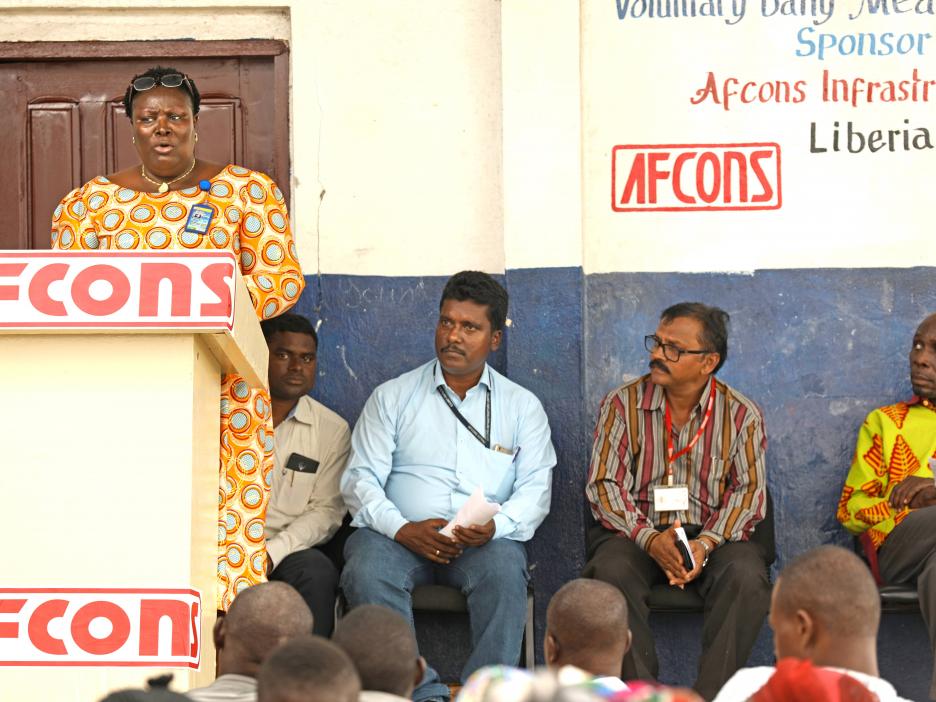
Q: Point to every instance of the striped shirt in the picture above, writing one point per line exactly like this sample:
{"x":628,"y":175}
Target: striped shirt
{"x":724,"y":470}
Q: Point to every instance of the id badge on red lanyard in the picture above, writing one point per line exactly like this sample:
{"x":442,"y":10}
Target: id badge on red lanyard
{"x":670,"y":497}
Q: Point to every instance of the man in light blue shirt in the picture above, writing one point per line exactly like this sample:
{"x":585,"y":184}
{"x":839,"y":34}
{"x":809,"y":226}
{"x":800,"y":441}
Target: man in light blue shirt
{"x":422,"y":445}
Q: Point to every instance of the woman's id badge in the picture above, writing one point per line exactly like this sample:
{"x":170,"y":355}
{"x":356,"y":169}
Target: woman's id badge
{"x":199,"y":219}
{"x":670,"y":498}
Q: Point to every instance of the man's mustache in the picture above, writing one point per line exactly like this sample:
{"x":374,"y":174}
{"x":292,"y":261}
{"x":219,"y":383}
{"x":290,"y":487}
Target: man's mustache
{"x":453,"y":348}
{"x":655,"y":363}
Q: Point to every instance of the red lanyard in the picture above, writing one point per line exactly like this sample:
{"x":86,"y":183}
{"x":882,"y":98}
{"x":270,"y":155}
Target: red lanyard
{"x":670,"y":458}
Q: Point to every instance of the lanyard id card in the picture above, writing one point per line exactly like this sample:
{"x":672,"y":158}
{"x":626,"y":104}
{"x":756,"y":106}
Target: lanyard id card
{"x":199,"y":219}
{"x":670,"y":498}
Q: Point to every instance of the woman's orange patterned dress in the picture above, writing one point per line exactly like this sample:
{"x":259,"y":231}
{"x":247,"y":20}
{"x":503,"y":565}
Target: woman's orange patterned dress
{"x":249,"y":219}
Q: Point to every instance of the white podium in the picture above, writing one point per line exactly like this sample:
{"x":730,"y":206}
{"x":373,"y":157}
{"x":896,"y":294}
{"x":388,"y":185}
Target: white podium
{"x":110,"y":369}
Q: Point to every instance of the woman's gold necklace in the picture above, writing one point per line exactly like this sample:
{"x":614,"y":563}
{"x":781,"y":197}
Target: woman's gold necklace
{"x":163,"y":187}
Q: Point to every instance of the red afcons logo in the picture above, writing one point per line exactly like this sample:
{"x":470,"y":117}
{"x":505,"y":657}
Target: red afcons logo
{"x":55,"y":289}
{"x":696,"y":177}
{"x":100,"y":627}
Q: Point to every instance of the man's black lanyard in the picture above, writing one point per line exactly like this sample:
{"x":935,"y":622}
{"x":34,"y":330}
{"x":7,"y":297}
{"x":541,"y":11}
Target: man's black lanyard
{"x":486,"y":439}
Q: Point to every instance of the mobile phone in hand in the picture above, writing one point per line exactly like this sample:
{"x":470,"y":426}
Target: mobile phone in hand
{"x":682,"y":543}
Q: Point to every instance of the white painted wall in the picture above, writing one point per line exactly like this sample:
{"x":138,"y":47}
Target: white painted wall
{"x":838,"y":210}
{"x":398,"y":106}
{"x":395,"y":114}
{"x":433,"y":135}
{"x":542,"y":133}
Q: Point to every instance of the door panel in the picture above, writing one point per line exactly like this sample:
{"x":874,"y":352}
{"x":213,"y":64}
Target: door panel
{"x":73,"y":125}
{"x":52,"y":130}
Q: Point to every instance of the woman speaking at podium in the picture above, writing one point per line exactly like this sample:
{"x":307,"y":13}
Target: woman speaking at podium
{"x":174,"y":200}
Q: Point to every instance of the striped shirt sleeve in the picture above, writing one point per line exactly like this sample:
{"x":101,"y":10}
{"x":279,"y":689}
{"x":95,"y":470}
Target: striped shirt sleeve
{"x":610,"y":479}
{"x":743,"y":502}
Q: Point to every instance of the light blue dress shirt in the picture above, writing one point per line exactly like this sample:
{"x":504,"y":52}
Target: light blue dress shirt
{"x":411,"y":459}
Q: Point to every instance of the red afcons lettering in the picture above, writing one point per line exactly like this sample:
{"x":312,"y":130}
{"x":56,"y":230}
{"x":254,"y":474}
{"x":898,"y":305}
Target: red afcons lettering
{"x":117,"y":289}
{"x":39,"y":627}
{"x":756,"y":158}
{"x":741,"y":163}
{"x":655,"y":174}
{"x":180,"y":281}
{"x":100,"y":627}
{"x":634,"y":179}
{"x":39,"y":290}
{"x":193,"y":651}
{"x":677,"y":177}
{"x":151,"y":612}
{"x":81,"y":631}
{"x":119,"y":293}
{"x":215,"y":277}
{"x":10,"y":630}
{"x":702,"y":177}
{"x":10,"y":270}
{"x":714,"y":173}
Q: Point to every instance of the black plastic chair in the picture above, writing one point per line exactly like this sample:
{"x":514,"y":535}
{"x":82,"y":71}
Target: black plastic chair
{"x":894,"y":598}
{"x":899,"y":598}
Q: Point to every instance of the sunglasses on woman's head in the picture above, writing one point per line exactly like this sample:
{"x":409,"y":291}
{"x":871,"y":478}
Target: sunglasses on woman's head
{"x":170,"y":80}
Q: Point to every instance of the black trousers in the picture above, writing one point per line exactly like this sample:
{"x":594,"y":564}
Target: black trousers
{"x":315,"y":577}
{"x":734,"y":585}
{"x":908,"y":555}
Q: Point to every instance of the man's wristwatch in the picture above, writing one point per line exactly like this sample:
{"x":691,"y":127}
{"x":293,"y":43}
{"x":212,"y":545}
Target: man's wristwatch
{"x":707,"y":549}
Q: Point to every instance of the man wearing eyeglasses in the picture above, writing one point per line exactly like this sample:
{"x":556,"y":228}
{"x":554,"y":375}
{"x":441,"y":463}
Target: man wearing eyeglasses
{"x":678,"y":448}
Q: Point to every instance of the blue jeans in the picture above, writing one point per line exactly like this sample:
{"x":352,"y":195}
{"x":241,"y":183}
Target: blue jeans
{"x":492,"y":577}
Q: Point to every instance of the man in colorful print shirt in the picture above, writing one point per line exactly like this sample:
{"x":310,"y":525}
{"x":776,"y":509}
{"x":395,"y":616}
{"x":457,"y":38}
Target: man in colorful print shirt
{"x":890,"y":483}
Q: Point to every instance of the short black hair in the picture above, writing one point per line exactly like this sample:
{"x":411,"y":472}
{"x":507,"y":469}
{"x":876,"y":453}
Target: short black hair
{"x":310,"y":668}
{"x":264,"y":616}
{"x":382,"y":647}
{"x":588,"y":618}
{"x":288,"y":322}
{"x":479,"y":288}
{"x":157,"y":690}
{"x":714,"y":321}
{"x":156,"y":73}
{"x":836,"y":587}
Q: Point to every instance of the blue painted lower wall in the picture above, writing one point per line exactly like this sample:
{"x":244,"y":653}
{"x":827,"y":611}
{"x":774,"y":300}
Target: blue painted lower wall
{"x":817,"y":349}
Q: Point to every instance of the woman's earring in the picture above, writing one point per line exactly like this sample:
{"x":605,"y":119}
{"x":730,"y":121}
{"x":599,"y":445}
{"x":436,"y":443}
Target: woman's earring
{"x":196,"y":136}
{"x":133,"y":140}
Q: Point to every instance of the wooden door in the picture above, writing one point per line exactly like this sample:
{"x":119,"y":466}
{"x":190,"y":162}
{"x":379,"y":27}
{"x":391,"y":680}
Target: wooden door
{"x":63,"y":102}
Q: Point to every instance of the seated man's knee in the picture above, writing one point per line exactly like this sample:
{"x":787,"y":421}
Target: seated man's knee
{"x":369,"y":568}
{"x":747,"y":578}
{"x":612,"y":562}
{"x":504,"y":562}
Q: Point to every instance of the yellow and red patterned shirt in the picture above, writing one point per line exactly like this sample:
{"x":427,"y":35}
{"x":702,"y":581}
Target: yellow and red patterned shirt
{"x":894,"y":443}
{"x":249,"y":219}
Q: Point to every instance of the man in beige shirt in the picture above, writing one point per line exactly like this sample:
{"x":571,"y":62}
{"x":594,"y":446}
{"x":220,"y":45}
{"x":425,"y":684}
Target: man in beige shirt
{"x":311,"y":445}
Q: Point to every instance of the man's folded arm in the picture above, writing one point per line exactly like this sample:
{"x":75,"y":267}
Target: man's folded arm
{"x":325,"y":509}
{"x":744,"y":503}
{"x":369,"y":466}
{"x":864,"y":500}
{"x":610,"y":480}
{"x":528,"y":504}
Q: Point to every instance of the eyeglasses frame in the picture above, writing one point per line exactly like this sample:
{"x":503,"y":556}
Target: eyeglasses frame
{"x":658,"y":343}
{"x":159,"y":81}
